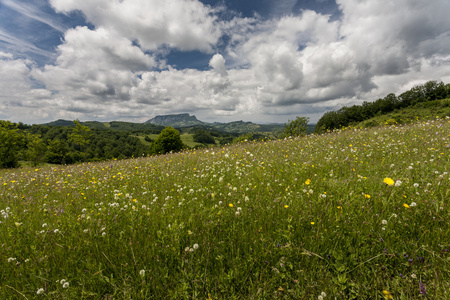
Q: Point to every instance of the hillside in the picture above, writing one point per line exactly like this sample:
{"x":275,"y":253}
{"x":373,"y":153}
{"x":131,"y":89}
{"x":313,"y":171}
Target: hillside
{"x":356,"y":214}
{"x":420,"y":112}
{"x":427,"y":95}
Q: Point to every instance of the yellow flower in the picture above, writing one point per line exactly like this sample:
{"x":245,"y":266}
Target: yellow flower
{"x":405,"y":205}
{"x":230,"y":205}
{"x":312,"y":223}
{"x":387,"y":295}
{"x":286,"y":206}
{"x":388,"y":181}
{"x":367,"y":196}
{"x":308,"y":181}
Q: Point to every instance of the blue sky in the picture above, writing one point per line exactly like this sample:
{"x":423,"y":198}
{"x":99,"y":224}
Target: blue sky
{"x":222,"y":60}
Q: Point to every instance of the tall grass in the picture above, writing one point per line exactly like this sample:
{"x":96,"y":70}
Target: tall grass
{"x":355,"y":214}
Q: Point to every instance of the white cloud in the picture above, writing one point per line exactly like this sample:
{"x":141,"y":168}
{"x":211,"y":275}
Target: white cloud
{"x":181,"y":24}
{"x":287,"y":66}
{"x":95,"y":64}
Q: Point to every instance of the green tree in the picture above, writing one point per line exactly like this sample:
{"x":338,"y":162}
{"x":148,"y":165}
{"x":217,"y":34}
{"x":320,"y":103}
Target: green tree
{"x":12,"y":140}
{"x":79,"y":138}
{"x":168,"y":140}
{"x":296,"y":127}
{"x":36,"y":149}
{"x":204,"y":137}
{"x":58,"y":152}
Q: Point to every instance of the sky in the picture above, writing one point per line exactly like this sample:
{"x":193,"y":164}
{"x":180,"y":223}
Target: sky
{"x":264,"y":61}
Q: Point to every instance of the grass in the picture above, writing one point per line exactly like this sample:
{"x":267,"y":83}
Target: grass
{"x":354,"y":214}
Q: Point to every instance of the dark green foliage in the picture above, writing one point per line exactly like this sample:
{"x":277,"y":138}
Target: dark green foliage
{"x":36,"y":149}
{"x":418,"y":95}
{"x":296,"y":127}
{"x":203,"y":137}
{"x":12,"y":141}
{"x":168,"y":140}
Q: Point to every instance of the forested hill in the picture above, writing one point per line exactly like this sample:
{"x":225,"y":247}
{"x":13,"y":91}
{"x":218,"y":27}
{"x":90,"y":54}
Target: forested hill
{"x":418,"y":96}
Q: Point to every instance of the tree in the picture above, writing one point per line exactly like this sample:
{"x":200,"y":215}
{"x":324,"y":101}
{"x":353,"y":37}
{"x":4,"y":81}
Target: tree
{"x":79,"y":138}
{"x":168,"y":140}
{"x":12,"y":140}
{"x":36,"y":149}
{"x":204,"y":137}
{"x":296,"y":127}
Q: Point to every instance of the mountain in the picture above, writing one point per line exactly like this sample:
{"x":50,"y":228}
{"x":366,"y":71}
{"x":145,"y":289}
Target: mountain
{"x":176,"y":121}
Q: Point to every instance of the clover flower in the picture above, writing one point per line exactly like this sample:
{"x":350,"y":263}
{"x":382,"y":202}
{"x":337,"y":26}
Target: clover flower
{"x":40,"y":291}
{"x":142,"y":272}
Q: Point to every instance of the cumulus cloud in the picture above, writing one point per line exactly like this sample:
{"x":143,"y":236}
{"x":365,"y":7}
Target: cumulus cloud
{"x":95,"y":63}
{"x":181,"y":24}
{"x":303,"y":63}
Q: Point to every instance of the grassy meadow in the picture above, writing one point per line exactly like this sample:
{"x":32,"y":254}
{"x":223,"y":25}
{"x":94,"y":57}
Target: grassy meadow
{"x":352,"y":214}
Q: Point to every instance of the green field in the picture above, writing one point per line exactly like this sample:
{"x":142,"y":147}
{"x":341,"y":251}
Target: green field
{"x":352,"y":214}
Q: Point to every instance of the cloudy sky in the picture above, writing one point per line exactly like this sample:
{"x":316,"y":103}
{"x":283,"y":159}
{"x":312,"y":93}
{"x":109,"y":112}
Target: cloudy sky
{"x":222,"y":60}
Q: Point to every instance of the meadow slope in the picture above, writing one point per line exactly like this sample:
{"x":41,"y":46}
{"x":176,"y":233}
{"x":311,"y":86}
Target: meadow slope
{"x":357,"y":213}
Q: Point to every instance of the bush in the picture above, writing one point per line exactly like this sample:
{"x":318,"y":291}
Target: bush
{"x":168,"y":140}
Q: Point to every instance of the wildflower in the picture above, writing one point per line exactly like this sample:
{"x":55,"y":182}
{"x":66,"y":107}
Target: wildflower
{"x":44,"y":225}
{"x":286,"y":206}
{"x":405,"y":205}
{"x":423,"y":291}
{"x":388,"y":181}
{"x":413,"y":276}
{"x":62,"y":281}
{"x":11,"y":259}
{"x":416,"y":185}
{"x":142,"y":272}
{"x":312,"y":223}
{"x":367,"y":196}
{"x":413,"y":204}
{"x":384,"y":222}
{"x":308,"y":181}
{"x":56,"y":230}
{"x":387,"y":295}
{"x":40,"y":291}
{"x":398,"y":183}
{"x":230,"y":204}
{"x":195,"y":246}
{"x":65,"y":285}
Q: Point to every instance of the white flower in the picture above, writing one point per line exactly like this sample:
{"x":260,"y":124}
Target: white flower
{"x":398,"y":183}
{"x":413,"y":204}
{"x":56,"y":230}
{"x":11,"y":259}
{"x":320,"y":297}
{"x":416,"y":185}
{"x":323,"y":294}
{"x":44,"y":225}
{"x":40,"y":291}
{"x":62,"y":281}
{"x":383,"y":228}
{"x":142,"y":272}
{"x":384,"y":222}
{"x":413,"y":276}
{"x":65,"y":285}
{"x":195,"y":246}
{"x":104,"y":233}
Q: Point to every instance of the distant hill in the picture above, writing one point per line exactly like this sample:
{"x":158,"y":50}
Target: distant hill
{"x":185,"y":123}
{"x":113,"y":125}
{"x":176,"y":121}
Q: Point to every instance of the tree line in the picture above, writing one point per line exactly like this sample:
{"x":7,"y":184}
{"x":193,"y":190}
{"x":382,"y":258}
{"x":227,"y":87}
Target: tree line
{"x":63,"y":144}
{"x":430,"y":91}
